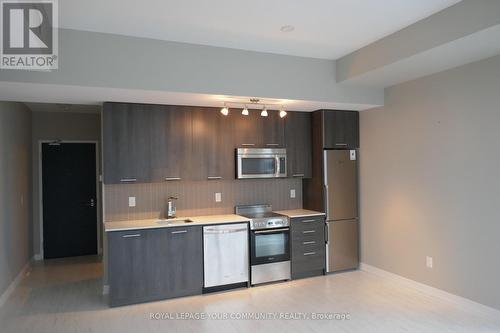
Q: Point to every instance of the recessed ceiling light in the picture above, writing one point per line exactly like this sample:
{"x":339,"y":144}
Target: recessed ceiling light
{"x":287,"y":28}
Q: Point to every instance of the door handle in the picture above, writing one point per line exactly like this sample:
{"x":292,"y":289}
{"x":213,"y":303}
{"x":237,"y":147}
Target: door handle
{"x":179,"y":232}
{"x":298,"y":175}
{"x":308,"y":231}
{"x":308,"y":243}
{"x":308,"y":221}
{"x":327,"y":228}
{"x":128,"y":180}
{"x":213,"y":177}
{"x":309,"y":253}
{"x":172,"y":178}
{"x":131,"y":236}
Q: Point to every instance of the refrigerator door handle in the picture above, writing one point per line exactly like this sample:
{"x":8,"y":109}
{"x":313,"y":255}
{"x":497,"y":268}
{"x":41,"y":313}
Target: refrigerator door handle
{"x":327,"y":213}
{"x":327,"y":228}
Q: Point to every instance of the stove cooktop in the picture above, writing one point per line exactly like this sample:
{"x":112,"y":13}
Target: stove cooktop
{"x":262,"y":217}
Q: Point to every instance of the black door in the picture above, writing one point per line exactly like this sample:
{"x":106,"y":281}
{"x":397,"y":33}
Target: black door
{"x":69,"y":199}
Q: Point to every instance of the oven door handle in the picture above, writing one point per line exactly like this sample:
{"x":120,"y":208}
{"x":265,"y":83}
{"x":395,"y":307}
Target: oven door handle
{"x":271,"y":230}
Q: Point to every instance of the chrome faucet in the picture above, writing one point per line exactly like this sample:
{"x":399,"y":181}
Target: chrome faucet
{"x":171,"y":210}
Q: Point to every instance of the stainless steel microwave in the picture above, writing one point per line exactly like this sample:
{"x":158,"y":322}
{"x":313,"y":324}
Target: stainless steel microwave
{"x":260,"y":163}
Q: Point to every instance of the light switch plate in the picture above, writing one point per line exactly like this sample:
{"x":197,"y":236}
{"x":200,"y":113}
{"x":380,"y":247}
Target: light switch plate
{"x":429,"y":262}
{"x":131,"y":201}
{"x":292,"y":193}
{"x":218,"y":197}
{"x":352,"y":155}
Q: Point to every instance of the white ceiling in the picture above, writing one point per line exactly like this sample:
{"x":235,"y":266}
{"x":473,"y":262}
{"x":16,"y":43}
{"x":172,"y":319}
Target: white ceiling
{"x":323,"y":28}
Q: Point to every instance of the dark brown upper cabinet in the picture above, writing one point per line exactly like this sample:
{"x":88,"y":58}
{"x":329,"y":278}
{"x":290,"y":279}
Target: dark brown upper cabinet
{"x":256,"y":131}
{"x":246,"y":129}
{"x":340,"y":128}
{"x":272,"y":130}
{"x":298,"y":144}
{"x":213,"y":151}
{"x":126,"y":143}
{"x":171,"y":135}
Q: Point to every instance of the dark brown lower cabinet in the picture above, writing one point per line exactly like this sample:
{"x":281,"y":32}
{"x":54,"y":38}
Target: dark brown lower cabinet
{"x":154,"y":264}
{"x":308,"y":246}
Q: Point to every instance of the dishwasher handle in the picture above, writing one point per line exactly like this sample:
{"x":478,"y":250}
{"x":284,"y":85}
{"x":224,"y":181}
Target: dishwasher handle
{"x":222,"y":231}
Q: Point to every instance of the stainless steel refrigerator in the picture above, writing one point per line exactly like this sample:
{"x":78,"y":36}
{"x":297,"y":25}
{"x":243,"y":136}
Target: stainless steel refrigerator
{"x":341,"y":205}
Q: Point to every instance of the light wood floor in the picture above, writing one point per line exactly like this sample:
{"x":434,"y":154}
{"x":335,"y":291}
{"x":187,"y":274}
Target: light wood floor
{"x":65,"y":296}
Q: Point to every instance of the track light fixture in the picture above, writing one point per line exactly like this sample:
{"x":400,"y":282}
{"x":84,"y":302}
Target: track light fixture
{"x":256,"y":104}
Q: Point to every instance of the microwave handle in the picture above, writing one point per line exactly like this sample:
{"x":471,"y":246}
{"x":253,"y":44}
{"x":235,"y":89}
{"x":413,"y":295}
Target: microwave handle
{"x":277,"y":159}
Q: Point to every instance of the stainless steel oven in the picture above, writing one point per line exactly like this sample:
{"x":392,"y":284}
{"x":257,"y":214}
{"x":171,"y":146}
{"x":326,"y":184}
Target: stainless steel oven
{"x":260,"y":163}
{"x":269,"y":244}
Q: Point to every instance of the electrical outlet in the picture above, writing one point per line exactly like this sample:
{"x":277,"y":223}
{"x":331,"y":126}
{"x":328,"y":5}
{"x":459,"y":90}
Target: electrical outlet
{"x":428,"y":262}
{"x":292,"y":193}
{"x":218,"y":197}
{"x":131,"y":201}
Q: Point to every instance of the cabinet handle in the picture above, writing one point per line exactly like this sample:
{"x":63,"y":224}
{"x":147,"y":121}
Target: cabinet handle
{"x":310,"y":242}
{"x":214,"y":177}
{"x":131,"y":235}
{"x":248,"y":144}
{"x":298,"y":175}
{"x":309,"y":253}
{"x":128,"y":180}
{"x":272,"y":144}
{"x":308,"y":231}
{"x":341,"y":144}
{"x":179,"y":232}
{"x":172,"y":178}
{"x":308,"y":221}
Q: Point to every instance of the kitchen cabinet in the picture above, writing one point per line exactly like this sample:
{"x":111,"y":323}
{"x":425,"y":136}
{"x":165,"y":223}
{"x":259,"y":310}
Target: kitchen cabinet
{"x":184,"y":252}
{"x":153,"y":264}
{"x":213,"y":152}
{"x":272,"y":129}
{"x":126,"y":143}
{"x":307,"y":246}
{"x":256,"y":131}
{"x":171,"y":135}
{"x":247,"y":130}
{"x":298,"y":144}
{"x":341,"y":129}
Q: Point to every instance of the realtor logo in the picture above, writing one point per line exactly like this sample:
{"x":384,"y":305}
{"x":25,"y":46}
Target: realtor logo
{"x":29,"y":37}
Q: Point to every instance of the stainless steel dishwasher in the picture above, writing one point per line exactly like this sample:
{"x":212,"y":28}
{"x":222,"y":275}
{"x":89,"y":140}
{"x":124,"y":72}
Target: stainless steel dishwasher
{"x":225,"y":255}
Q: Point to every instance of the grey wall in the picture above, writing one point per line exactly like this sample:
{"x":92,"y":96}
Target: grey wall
{"x":430,"y":185}
{"x":64,"y":126}
{"x":15,"y":190}
{"x":198,"y":197}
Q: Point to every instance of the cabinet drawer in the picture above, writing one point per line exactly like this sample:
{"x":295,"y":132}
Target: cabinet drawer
{"x":304,"y":223}
{"x":308,"y":264}
{"x":309,"y":233}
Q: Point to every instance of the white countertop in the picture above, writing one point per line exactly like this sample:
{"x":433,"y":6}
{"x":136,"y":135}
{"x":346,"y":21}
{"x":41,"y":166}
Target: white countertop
{"x":152,"y":223}
{"x":292,"y":213}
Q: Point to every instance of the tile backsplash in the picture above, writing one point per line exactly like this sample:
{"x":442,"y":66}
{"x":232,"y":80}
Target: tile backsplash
{"x":198,"y":197}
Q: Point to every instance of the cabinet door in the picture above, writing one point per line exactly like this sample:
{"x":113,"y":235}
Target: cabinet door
{"x":185,"y":257}
{"x":247,"y":130}
{"x":341,"y":129}
{"x":272,"y":129}
{"x":131,"y":266}
{"x":298,"y":144}
{"x":170,"y":143}
{"x":126,"y":143}
{"x":213,"y":152}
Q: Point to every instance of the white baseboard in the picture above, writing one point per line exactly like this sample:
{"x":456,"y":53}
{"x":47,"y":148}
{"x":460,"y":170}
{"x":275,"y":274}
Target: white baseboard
{"x":6,"y":294}
{"x":38,"y":257}
{"x":465,"y":303}
{"x":105,"y":289}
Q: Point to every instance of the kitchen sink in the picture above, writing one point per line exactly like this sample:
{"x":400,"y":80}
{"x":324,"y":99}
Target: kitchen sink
{"x":174,"y":221}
